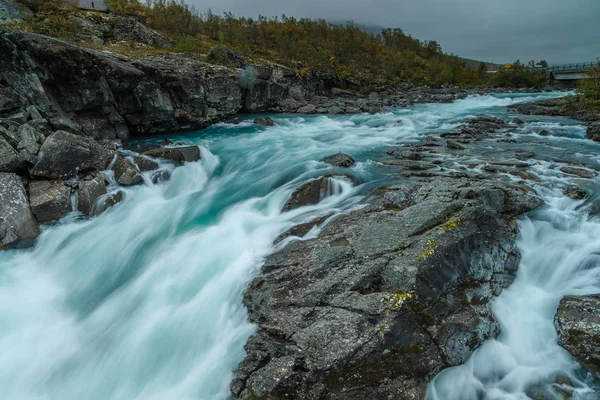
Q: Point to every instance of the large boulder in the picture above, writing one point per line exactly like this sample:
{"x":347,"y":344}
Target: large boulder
{"x":387,"y":296}
{"x":178,"y":154}
{"x":50,"y":200}
{"x":578,"y":323}
{"x":340,"y":160}
{"x":65,"y":155}
{"x":18,"y":227}
{"x":593,"y":131}
{"x":126,"y":174}
{"x":91,"y":188}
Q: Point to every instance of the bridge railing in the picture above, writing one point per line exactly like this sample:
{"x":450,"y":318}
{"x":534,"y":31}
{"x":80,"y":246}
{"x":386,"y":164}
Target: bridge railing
{"x":571,"y":67}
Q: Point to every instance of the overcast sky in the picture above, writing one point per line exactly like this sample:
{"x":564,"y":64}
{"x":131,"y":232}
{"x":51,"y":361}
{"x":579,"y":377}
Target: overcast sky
{"x":560,"y":31}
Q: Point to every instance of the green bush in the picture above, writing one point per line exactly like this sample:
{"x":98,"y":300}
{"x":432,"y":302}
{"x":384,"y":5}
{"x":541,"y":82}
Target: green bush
{"x":589,"y":88}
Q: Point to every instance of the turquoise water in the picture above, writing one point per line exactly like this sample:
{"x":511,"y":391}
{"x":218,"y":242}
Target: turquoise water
{"x":145,"y":301}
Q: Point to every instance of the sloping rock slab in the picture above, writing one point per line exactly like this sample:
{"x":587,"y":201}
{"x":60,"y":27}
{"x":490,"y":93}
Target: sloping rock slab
{"x":386,"y":296}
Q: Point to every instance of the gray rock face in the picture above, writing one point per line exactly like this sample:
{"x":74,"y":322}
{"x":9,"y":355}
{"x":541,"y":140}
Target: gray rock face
{"x":178,"y":154}
{"x":64,"y":154}
{"x":309,"y":193}
{"x":109,"y":97}
{"x":126,"y":174}
{"x":18,"y":227}
{"x":91,"y":188}
{"x":50,"y":200}
{"x":593,"y":131}
{"x":578,"y":324}
{"x":386,"y":297}
{"x":340,"y":160}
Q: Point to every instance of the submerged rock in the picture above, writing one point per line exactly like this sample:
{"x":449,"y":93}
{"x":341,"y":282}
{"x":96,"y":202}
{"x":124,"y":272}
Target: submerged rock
{"x":339,"y":160}
{"x":574,"y":192}
{"x":451,"y":144}
{"x":264,"y":121}
{"x":126,"y":174}
{"x":50,"y":200}
{"x":543,"y":132}
{"x":18,"y":226}
{"x":65,"y":155}
{"x":578,"y":323}
{"x":110,"y":201}
{"x":582,"y":173}
{"x":517,"y":121}
{"x":387,"y":296}
{"x":91,"y":188}
{"x":177,"y":154}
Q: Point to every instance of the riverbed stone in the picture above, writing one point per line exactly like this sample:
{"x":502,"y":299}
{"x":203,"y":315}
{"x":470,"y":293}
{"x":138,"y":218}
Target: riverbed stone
{"x":578,"y":324}
{"x":50,"y":200}
{"x":264,"y":121}
{"x":91,"y":188}
{"x":126,"y":174}
{"x":340,"y":160}
{"x":18,"y":226}
{"x":582,"y":173}
{"x":308,"y":194}
{"x":144,"y":163}
{"x":177,"y":154}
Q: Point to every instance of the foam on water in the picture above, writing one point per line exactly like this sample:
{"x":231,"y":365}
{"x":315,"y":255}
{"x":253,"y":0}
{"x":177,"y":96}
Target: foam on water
{"x":145,"y":301}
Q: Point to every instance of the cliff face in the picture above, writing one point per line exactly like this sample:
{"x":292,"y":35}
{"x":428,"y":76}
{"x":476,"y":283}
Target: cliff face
{"x":110,"y":97}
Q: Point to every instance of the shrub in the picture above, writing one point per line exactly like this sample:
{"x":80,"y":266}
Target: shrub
{"x":589,"y":88}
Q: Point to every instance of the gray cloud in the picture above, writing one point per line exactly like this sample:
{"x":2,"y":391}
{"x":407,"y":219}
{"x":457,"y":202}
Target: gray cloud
{"x":559,"y":31}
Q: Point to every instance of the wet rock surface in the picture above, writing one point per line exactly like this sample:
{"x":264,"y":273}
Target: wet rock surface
{"x":578,"y":324}
{"x":18,"y":226}
{"x":177,"y":154}
{"x":264,"y":121}
{"x":126,"y":174}
{"x":309,"y":193}
{"x":91,"y":188}
{"x":340,"y":160}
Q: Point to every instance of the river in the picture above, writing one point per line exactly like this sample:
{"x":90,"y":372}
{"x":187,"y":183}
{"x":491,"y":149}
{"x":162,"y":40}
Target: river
{"x":145,"y":301}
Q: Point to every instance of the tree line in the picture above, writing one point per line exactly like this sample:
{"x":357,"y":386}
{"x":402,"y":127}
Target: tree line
{"x":304,"y":44}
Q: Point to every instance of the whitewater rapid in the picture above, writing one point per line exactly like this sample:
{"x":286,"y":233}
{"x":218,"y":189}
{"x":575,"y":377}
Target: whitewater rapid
{"x":145,"y":301}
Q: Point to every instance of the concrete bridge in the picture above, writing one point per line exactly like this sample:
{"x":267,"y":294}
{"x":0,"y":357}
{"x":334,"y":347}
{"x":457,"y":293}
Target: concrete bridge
{"x":570,"y":72}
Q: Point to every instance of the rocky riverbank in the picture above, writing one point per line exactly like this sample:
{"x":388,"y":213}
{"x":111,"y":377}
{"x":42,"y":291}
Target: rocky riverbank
{"x":569,"y":106}
{"x":389,"y":295}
